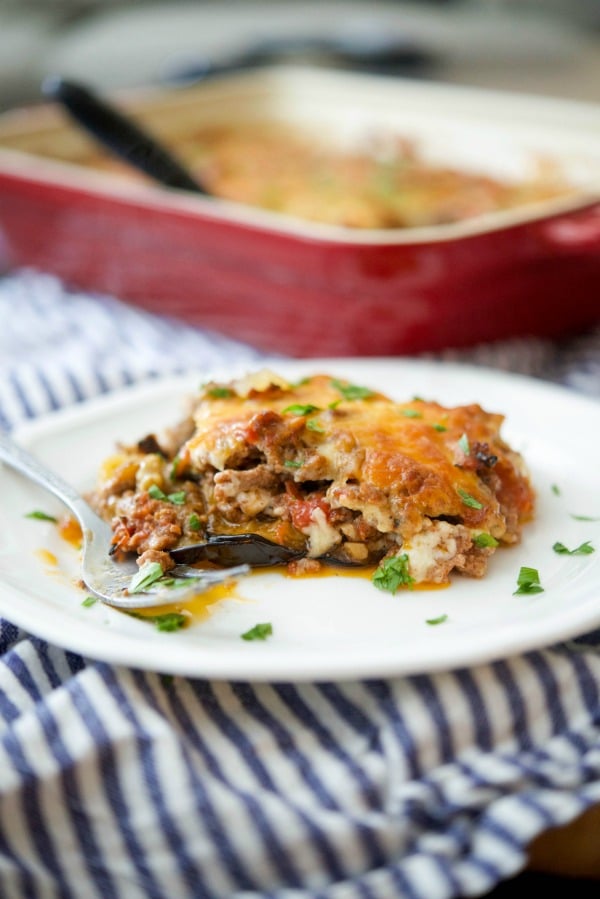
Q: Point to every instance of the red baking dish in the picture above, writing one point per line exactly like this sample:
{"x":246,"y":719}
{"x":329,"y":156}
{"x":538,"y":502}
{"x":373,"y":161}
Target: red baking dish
{"x":305,"y":289}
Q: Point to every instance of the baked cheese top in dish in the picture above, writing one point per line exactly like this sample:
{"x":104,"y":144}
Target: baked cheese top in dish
{"x":331,"y":469}
{"x":385,"y":182}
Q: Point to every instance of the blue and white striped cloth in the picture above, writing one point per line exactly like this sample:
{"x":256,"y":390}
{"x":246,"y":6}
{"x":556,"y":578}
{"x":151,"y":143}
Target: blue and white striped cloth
{"x":120,"y":784}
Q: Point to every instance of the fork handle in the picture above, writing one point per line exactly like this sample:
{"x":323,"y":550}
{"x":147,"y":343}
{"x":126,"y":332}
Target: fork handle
{"x":14,"y":455}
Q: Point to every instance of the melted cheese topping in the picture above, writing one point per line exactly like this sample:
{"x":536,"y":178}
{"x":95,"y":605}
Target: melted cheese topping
{"x":395,"y":462}
{"x":328,"y":469}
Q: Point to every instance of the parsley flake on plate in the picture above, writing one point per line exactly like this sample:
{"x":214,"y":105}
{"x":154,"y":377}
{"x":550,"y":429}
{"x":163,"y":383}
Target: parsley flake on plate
{"x":38,"y":515}
{"x":393,"y":573}
{"x":259,"y":632}
{"x":584,"y":549}
{"x":528,"y":581}
{"x":167,"y":622}
{"x":439,"y":620}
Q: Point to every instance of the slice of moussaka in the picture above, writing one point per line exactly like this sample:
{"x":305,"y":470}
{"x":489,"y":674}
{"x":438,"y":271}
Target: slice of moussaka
{"x":332,"y":469}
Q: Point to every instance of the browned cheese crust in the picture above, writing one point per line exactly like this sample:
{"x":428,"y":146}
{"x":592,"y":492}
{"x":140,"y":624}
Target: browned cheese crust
{"x":385,"y":181}
{"x":332,"y":469}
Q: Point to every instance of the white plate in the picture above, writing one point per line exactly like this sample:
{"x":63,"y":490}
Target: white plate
{"x":329,"y":627}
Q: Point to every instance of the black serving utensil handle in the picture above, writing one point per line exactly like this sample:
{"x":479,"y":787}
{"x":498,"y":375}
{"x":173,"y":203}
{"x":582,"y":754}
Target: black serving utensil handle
{"x":119,"y":134}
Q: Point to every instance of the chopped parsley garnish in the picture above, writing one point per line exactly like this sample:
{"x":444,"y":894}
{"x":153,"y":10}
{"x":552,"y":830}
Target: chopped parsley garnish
{"x":300,"y":409}
{"x":152,"y":574}
{"x":393,"y":573}
{"x":156,"y":493}
{"x":169,"y":622}
{"x":352,"y":391}
{"x":174,"y":467}
{"x":483,"y":540}
{"x":145,"y":577}
{"x":411,"y":413}
{"x":313,"y":425}
{"x":41,"y":516}
{"x":89,"y":601}
{"x":464,"y":444}
{"x":555,"y":489}
{"x":171,"y":582}
{"x":291,"y":463}
{"x":585,"y":518}
{"x":220,"y":393}
{"x":584,"y":549}
{"x":528,"y":581}
{"x":439,"y":620}
{"x":259,"y":632}
{"x":469,"y":500}
{"x":438,"y":427}
{"x":194,"y":522}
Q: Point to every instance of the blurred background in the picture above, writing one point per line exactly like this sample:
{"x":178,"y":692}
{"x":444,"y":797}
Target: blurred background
{"x":546,"y":47}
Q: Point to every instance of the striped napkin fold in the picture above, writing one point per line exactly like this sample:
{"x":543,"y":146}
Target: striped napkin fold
{"x":127,"y":784}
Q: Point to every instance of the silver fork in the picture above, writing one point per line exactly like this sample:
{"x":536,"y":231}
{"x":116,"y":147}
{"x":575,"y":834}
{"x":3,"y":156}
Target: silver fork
{"x":103,"y":576}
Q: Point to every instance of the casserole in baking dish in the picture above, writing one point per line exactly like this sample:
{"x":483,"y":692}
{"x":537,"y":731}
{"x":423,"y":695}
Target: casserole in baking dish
{"x":289,"y":284}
